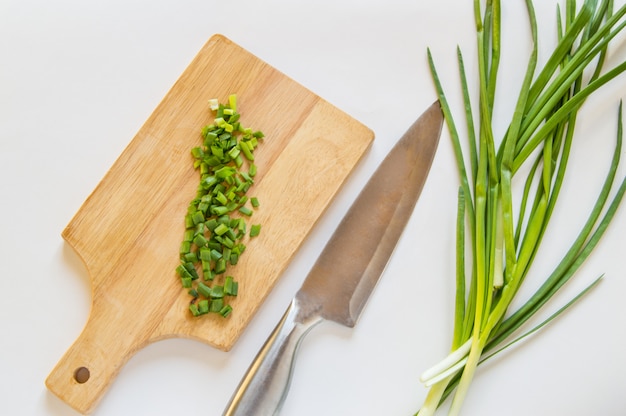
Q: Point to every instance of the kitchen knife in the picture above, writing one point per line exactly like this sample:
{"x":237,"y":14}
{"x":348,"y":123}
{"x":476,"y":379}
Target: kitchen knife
{"x":340,"y":282}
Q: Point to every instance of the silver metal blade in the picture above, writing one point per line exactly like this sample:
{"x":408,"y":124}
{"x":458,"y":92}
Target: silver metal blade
{"x":342,"y":279}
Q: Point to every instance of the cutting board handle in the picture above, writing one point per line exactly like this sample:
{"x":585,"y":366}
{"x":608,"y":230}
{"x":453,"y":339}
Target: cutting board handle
{"x":84,"y":373}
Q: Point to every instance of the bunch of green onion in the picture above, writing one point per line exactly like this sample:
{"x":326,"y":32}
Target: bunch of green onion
{"x":504,"y":223}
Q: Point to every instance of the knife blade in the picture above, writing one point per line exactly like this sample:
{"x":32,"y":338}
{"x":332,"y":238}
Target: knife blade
{"x":346,"y":272}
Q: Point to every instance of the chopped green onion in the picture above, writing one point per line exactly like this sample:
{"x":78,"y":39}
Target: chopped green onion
{"x":255,"y":230}
{"x":185,"y":247}
{"x":204,"y":290}
{"x":217,"y":292}
{"x":220,"y":266}
{"x":197,"y":217}
{"x":207,"y":271}
{"x":226,"y":241}
{"x":209,"y":181}
{"x":205,"y":254}
{"x":188,"y":221}
{"x":214,"y":222}
{"x":190,"y":257}
{"x":226,"y":310}
{"x":230,"y":286}
{"x":246,"y":149}
{"x":232,"y":102}
{"x":191,"y":269}
{"x":211,"y":224}
{"x":246,"y":211}
{"x":182,"y":271}
{"x":186,"y":281}
{"x":226,"y":252}
{"x":234,"y":152}
{"x":221,"y":229}
{"x":199,"y":229}
{"x":197,"y":152}
{"x":203,"y":306}
{"x":252,"y":171}
{"x":225,"y":172}
{"x":188,"y":235}
{"x":221,"y":198}
{"x":199,"y":240}
{"x":216,"y":305}
{"x":219,"y":210}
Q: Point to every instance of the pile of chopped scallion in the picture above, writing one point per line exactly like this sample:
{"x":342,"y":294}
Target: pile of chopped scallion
{"x":216,"y":219}
{"x":504,"y":210}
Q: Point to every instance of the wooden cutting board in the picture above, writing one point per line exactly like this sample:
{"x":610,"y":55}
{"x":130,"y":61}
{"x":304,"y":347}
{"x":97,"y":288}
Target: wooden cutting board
{"x":129,"y":230}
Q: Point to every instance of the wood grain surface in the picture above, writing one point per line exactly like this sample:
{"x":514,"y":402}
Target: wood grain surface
{"x":129,"y":229}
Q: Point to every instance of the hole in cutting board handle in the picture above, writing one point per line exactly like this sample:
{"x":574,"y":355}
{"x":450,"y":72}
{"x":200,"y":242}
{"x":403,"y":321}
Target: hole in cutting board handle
{"x":81,"y":375}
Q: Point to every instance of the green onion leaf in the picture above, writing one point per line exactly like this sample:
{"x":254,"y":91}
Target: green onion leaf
{"x":540,"y":136}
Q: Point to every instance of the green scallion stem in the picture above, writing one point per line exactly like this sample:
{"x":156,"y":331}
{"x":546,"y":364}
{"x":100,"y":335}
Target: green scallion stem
{"x":542,"y":126}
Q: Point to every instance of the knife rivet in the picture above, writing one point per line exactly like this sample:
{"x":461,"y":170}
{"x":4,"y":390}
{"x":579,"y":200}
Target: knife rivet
{"x":81,"y":375}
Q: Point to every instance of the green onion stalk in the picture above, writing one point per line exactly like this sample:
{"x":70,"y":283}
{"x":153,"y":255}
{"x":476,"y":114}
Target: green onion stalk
{"x":502,"y":222}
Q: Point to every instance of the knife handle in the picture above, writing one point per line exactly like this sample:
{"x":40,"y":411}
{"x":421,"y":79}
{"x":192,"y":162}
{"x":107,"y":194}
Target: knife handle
{"x":264,"y":388}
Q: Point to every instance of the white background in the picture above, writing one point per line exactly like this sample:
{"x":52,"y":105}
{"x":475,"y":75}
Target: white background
{"x":78,"y":79}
